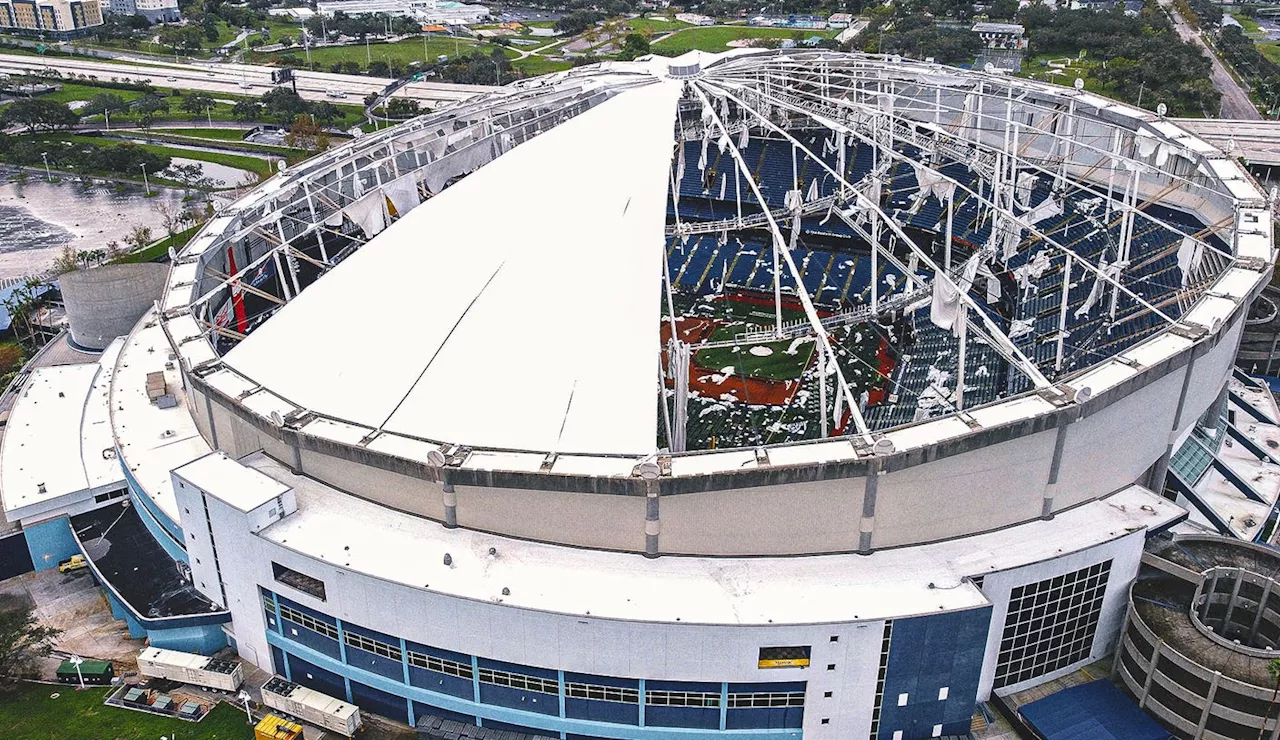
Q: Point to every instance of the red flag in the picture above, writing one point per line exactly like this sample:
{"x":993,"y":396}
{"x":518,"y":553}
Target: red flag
{"x":237,"y":298}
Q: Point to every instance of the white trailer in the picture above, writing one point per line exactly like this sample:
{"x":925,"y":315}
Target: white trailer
{"x":310,"y":706}
{"x":199,"y":670}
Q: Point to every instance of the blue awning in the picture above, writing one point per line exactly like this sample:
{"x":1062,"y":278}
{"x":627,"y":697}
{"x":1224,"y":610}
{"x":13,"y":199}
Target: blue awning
{"x":1091,"y":711}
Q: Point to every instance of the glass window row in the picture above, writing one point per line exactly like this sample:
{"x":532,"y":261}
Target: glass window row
{"x":519,"y":681}
{"x":440,"y":665}
{"x":308,"y":621}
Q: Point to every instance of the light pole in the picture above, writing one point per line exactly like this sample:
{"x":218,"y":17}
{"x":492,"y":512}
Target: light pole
{"x":244,"y":697}
{"x":76,"y":660}
{"x":107,"y":112}
{"x":368,"y":58}
{"x":47,"y":176}
{"x":146,"y":186}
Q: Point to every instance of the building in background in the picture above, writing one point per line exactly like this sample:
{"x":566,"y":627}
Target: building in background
{"x":55,"y":19}
{"x":156,"y":11}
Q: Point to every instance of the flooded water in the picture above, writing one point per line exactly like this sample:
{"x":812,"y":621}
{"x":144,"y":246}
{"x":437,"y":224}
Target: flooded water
{"x":220,"y":174}
{"x":38,"y":219}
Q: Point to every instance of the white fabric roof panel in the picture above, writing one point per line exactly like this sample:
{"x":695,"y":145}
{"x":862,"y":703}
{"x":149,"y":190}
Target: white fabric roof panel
{"x":528,"y":296}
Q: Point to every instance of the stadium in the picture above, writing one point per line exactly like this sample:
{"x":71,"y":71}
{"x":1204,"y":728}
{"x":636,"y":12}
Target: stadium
{"x":763,"y":394}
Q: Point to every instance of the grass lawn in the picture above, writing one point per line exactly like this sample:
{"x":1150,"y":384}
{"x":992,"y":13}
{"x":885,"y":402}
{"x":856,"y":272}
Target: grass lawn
{"x":535,"y":65}
{"x":221,"y":134}
{"x":27,"y":712}
{"x":775,"y":363}
{"x":1270,"y":50}
{"x":409,"y":50}
{"x":717,"y":38}
{"x":73,"y":91}
{"x":1250,"y":26}
{"x":656,"y":24}
{"x":240,"y":161}
{"x":161,"y":248}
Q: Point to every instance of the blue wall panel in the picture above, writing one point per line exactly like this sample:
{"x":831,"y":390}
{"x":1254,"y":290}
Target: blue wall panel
{"x":50,"y":542}
{"x":423,"y":711}
{"x":381,"y":702}
{"x":522,"y":699}
{"x":602,"y":711}
{"x":277,"y":661}
{"x":314,"y":640}
{"x":771,"y":718}
{"x":15,"y":556}
{"x":315,"y":677}
{"x":927,"y":654}
{"x":204,"y":640}
{"x":445,"y":684}
{"x":373,"y":663}
{"x":306,"y":610}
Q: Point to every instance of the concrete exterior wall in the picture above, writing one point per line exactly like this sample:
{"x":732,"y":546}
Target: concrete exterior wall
{"x":997,"y":478}
{"x":1125,"y":554}
{"x":105,"y":302}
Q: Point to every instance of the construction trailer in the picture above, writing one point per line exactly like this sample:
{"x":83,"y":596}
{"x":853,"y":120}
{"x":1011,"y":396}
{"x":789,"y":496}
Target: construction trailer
{"x":310,"y":706}
{"x":99,"y":672}
{"x":198,"y":670}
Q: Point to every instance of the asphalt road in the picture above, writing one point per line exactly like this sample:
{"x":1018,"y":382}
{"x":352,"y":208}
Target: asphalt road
{"x":1235,"y":100}
{"x":242,"y":79}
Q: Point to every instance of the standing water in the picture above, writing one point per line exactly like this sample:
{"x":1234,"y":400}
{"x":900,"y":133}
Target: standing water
{"x":38,"y":219}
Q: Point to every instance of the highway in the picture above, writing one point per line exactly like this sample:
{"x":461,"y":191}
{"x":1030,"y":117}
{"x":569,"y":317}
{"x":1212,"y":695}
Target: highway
{"x":242,"y":79}
{"x":1235,"y":99}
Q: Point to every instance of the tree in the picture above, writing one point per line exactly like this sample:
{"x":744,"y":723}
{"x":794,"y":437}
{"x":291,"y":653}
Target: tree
{"x":138,"y":237}
{"x":402,"y":108}
{"x":197,"y":103}
{"x":304,"y":133}
{"x":103,"y":103}
{"x":1273,"y":670}
{"x":39,"y":114}
{"x":246,"y":110}
{"x":171,"y":217}
{"x":149,"y":107}
{"x":634,"y":45}
{"x":22,"y":639}
{"x":21,"y":305}
{"x":284,"y":104}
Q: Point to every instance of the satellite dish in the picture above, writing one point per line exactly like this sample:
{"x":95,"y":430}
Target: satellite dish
{"x":173,"y":254}
{"x":648,"y":470}
{"x":1161,"y":110}
{"x":883,"y":446}
{"x":1082,"y":394}
{"x":1079,"y":83}
{"x":279,"y":165}
{"x":277,"y":419}
{"x":989,"y":68}
{"x":435,"y":458}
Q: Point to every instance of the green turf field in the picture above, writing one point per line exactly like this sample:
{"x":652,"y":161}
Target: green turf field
{"x":717,"y":38}
{"x":782,"y":361}
{"x":28,"y":712}
{"x":538,"y":65}
{"x":404,"y":52}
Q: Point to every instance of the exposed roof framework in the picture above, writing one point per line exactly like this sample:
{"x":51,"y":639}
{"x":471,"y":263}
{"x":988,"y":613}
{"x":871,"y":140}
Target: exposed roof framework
{"x":908,"y":115}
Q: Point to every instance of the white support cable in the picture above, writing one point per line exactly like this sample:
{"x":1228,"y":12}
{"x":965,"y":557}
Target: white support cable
{"x":1002,"y":340}
{"x":780,"y":243}
{"x":985,"y":201}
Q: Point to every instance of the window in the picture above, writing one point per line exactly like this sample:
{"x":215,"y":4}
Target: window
{"x":826,"y":695}
{"x":519,"y":681}
{"x":602,"y":693}
{"x":308,"y":621}
{"x":826,"y":720}
{"x":831,"y":666}
{"x":440,"y":665}
{"x":766,"y":699}
{"x":784,"y":657}
{"x":1051,"y":624}
{"x":369,"y":645}
{"x":681,"y":699}
{"x":835,"y":638}
{"x":304,"y":583}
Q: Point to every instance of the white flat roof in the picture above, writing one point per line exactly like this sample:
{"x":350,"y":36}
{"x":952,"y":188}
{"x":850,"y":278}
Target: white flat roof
{"x":529,"y":293}
{"x":237,"y":485}
{"x":58,"y":435}
{"x":152,"y":441}
{"x":363,"y":537}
